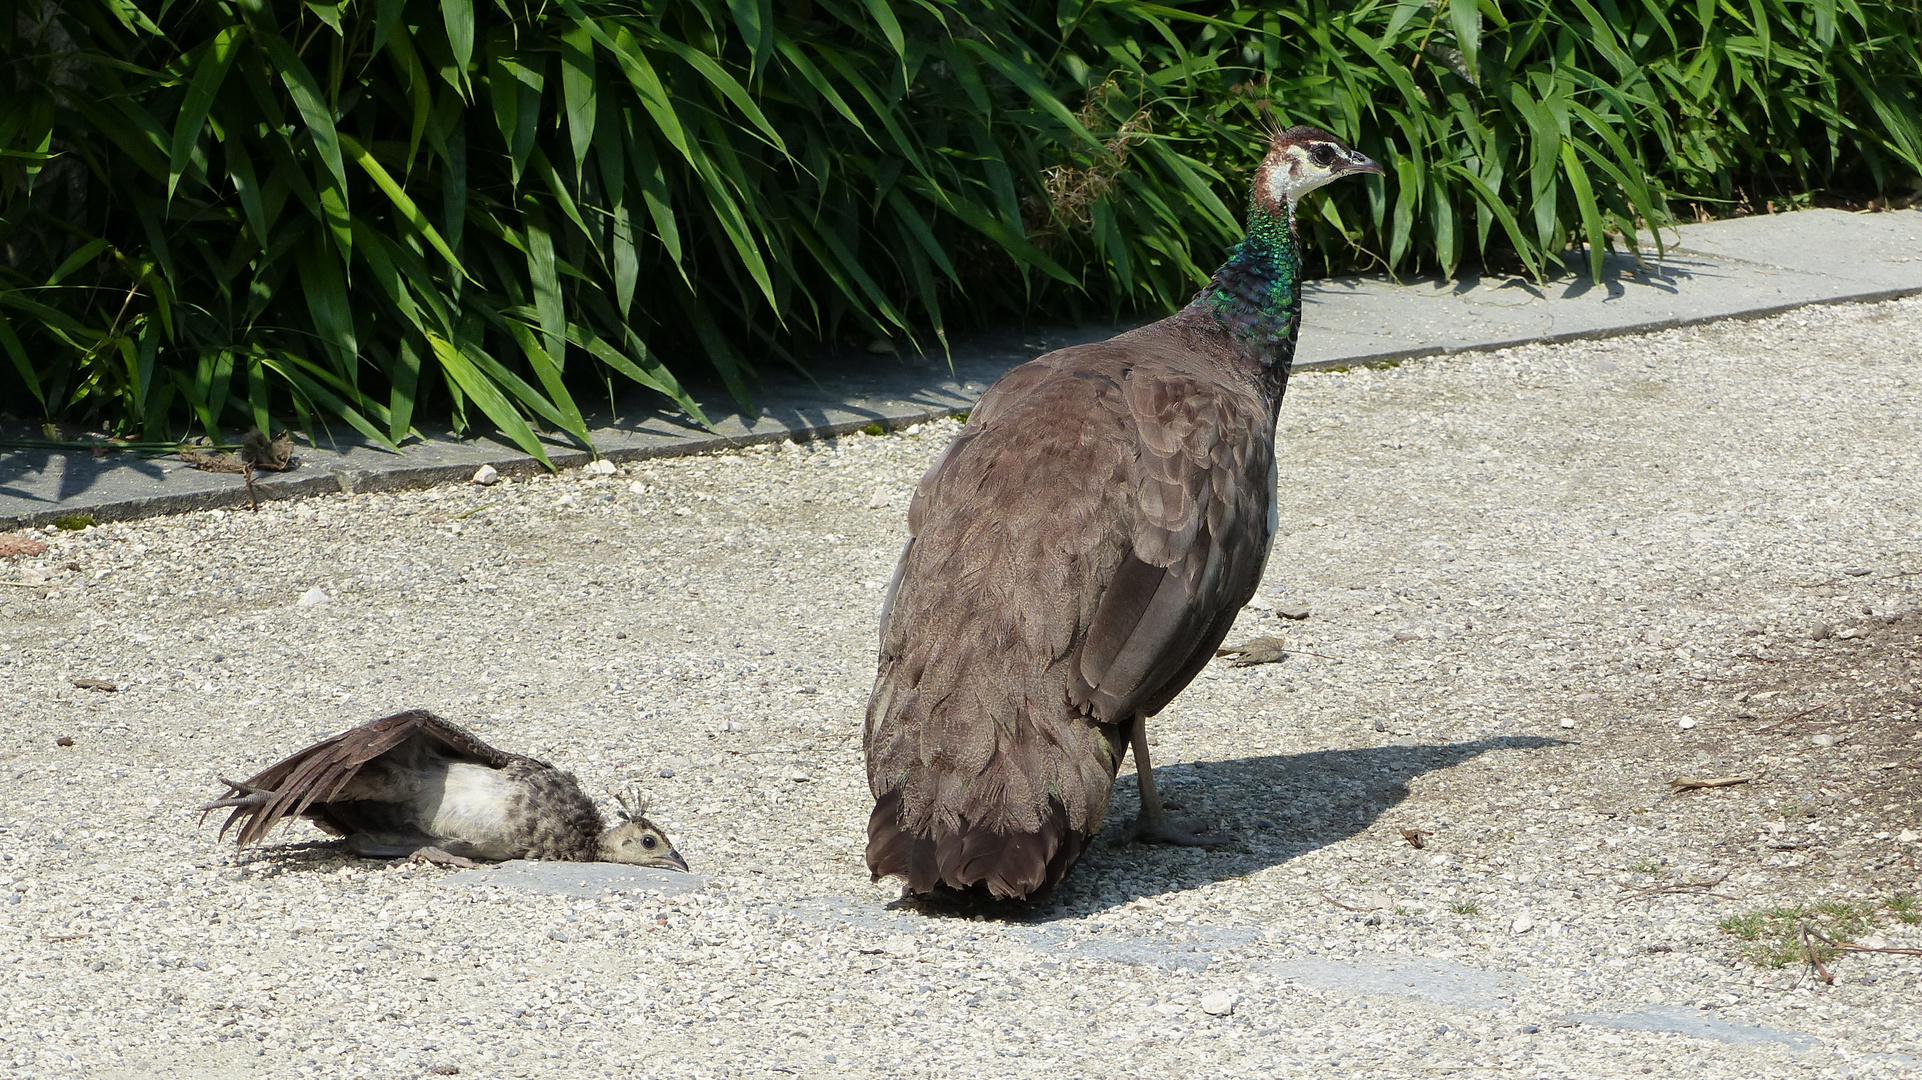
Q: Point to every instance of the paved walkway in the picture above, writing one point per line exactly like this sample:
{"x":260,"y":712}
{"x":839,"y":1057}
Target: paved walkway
{"x":1725,"y":269}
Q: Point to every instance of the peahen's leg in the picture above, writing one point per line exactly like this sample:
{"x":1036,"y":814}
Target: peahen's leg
{"x":1154,"y":825}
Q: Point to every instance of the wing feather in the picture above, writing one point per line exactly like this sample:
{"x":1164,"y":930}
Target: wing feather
{"x":1198,"y":545}
{"x":321,"y":773}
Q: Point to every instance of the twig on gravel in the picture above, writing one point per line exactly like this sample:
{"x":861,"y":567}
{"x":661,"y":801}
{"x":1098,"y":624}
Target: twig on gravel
{"x":1815,"y":958}
{"x":1344,"y":907}
{"x":1850,"y":946}
{"x":463,"y":515}
{"x":1791,"y":719}
{"x":1701,"y":887}
{"x":28,"y":584}
{"x":1695,"y":783}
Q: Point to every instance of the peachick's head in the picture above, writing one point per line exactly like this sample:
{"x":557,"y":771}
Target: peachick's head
{"x":638,"y":841}
{"x":1301,"y":159}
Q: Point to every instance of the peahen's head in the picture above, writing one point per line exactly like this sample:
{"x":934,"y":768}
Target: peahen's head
{"x":638,"y":841}
{"x":1300,"y":160}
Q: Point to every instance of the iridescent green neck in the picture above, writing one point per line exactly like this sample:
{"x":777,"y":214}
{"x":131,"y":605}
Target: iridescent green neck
{"x":1256,"y":295}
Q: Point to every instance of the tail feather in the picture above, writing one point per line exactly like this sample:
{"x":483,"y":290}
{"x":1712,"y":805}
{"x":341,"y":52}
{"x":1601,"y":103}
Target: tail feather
{"x":976,"y":861}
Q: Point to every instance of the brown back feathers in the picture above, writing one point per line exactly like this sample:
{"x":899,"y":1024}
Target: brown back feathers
{"x":1075,"y":557}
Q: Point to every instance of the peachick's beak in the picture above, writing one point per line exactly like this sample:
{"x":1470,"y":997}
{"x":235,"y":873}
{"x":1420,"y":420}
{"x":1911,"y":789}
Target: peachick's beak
{"x":672,"y":859}
{"x":1363,"y":164}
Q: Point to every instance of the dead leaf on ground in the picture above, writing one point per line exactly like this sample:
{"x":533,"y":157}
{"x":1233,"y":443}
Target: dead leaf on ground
{"x":1261,"y":650}
{"x":64,"y":740}
{"x":1692,"y":783}
{"x":95,"y":684}
{"x":1414,"y":837}
{"x":11,"y":546}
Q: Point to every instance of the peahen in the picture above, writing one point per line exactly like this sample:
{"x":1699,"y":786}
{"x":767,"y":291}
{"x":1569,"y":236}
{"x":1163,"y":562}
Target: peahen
{"x":1074,"y":558}
{"x":415,"y":785}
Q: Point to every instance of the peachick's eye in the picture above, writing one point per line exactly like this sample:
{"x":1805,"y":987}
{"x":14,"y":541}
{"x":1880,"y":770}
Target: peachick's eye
{"x":1322,"y":155}
{"x":647,"y":841}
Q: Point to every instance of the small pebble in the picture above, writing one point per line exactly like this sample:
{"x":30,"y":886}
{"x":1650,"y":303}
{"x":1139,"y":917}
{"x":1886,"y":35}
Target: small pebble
{"x":1219,"y":1003}
{"x":1824,"y":739}
{"x":487,"y":476}
{"x":1523,"y":923}
{"x":1821,"y":631}
{"x":599,"y":467}
{"x":1685,"y":723}
{"x":313,"y":597}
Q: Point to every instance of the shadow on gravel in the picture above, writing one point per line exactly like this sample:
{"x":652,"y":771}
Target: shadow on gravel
{"x":271,"y":860}
{"x":1279,"y":806}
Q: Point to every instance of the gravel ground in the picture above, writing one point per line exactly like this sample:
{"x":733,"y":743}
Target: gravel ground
{"x":1544,"y":583}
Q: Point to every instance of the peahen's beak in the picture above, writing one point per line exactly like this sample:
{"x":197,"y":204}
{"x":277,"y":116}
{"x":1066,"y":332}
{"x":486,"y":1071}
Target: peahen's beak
{"x":1362,"y":163}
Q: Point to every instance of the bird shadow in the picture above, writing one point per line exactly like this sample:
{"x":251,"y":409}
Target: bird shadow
{"x":303,"y":857}
{"x":1278,"y":806}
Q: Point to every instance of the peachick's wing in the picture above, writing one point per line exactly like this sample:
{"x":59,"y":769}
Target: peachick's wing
{"x":322,"y":771}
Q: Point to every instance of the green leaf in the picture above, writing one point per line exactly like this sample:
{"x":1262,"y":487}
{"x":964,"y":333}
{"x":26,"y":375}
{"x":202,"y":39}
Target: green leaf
{"x":543,"y":271}
{"x":458,"y":18}
{"x":884,"y":18}
{"x":485,"y":394}
{"x":1591,"y":216}
{"x":214,"y":62}
{"x":325,"y":290}
{"x":403,"y":204}
{"x":755,"y":20}
{"x":10,"y":341}
{"x":1465,"y":17}
{"x":577,"y":91}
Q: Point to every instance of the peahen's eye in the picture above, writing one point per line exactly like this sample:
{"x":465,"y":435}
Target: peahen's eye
{"x":647,"y":841}
{"x":1322,"y":155}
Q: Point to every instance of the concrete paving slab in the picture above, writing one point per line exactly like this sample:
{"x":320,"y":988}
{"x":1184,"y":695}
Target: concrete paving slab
{"x":1876,"y":249}
{"x":1744,"y":268}
{"x":1697,"y":1024}
{"x":1428,"y":978}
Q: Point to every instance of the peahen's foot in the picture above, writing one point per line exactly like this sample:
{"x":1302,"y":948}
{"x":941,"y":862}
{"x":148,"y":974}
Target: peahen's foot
{"x":1181,"y":832}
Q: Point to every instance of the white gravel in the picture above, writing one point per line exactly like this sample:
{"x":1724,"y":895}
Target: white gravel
{"x":1528,"y":572}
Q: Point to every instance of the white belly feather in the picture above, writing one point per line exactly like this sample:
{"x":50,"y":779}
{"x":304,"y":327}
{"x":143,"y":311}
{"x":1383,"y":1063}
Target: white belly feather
{"x":469,"y":803}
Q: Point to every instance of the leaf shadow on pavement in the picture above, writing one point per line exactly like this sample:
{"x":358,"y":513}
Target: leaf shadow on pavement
{"x":1278,"y":806}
